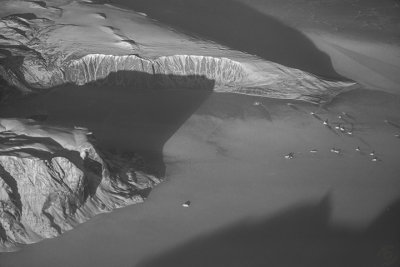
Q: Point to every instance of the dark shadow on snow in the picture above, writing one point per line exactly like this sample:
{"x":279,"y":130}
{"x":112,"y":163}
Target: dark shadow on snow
{"x":128,"y":112}
{"x":299,"y":236}
{"x":239,"y":27}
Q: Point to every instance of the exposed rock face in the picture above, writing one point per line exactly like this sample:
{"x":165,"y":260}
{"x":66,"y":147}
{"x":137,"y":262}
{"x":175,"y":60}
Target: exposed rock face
{"x":267,"y":79}
{"x":52,"y":179}
{"x":223,"y":71}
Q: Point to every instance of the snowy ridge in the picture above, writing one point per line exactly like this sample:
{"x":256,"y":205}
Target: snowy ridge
{"x":33,"y":59}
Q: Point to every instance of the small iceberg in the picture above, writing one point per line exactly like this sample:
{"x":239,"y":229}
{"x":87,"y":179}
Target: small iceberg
{"x":186,"y":204}
{"x":335,"y":150}
{"x":289,"y":156}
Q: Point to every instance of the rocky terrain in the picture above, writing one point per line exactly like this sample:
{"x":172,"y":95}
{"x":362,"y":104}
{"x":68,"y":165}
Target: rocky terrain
{"x":53,"y":178}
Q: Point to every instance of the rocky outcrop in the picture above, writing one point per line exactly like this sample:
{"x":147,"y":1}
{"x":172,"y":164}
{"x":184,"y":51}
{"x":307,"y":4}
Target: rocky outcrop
{"x":52,"y":179}
{"x":26,"y":61}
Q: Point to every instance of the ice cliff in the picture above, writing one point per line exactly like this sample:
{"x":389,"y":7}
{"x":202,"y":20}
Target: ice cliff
{"x":52,"y":179}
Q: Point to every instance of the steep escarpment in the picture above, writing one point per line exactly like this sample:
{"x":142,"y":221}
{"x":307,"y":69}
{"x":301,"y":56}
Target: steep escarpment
{"x":223,"y":71}
{"x":264,"y":79}
{"x":52,"y":179}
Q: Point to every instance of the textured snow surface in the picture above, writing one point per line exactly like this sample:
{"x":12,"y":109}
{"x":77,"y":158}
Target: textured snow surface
{"x":53,"y":178}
